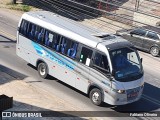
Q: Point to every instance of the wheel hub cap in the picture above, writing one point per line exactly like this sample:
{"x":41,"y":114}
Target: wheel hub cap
{"x":42,"y":71}
{"x":95,"y":97}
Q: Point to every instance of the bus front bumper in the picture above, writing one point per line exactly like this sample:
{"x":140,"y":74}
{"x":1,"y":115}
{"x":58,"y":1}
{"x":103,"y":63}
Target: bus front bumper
{"x":121,"y":99}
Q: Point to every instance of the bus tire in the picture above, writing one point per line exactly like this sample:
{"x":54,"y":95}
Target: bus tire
{"x":96,"y":96}
{"x":42,"y":70}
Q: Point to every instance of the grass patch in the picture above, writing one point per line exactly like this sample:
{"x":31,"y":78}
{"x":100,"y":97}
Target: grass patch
{"x":20,"y":7}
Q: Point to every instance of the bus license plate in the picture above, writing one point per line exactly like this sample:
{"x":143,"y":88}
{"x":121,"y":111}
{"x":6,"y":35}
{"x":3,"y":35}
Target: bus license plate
{"x":132,"y":94}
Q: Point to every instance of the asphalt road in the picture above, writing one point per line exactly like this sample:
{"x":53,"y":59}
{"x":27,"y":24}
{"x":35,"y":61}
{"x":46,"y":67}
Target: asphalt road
{"x":149,"y":102}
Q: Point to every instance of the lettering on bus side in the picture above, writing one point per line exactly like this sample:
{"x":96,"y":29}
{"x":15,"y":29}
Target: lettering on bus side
{"x":44,"y":53}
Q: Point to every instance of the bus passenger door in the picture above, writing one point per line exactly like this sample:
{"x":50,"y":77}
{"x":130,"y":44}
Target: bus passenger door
{"x":82,"y":69}
{"x":99,"y":69}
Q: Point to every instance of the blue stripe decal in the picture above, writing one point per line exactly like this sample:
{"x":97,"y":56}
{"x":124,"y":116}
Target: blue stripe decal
{"x":57,"y":55}
{"x":42,"y":51}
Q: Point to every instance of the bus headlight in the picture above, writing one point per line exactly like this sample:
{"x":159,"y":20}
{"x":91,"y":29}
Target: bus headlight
{"x":121,"y":91}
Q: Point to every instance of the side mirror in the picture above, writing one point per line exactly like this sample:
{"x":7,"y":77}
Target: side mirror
{"x":113,"y":73}
{"x":110,"y":77}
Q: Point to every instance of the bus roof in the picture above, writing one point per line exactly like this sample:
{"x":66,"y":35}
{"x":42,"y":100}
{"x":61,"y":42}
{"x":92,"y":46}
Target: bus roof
{"x":71,"y":29}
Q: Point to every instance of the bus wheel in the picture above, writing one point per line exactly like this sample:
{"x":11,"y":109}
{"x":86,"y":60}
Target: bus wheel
{"x":42,"y":70}
{"x":96,"y":96}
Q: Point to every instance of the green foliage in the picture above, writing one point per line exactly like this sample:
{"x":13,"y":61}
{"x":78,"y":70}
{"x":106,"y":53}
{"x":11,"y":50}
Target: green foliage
{"x":20,"y":7}
{"x":26,"y":8}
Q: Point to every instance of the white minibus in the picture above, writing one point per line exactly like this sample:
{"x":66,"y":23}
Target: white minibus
{"x":104,"y":66}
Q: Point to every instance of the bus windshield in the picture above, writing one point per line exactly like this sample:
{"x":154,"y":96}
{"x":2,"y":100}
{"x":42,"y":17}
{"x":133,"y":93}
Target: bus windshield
{"x":126,"y":64}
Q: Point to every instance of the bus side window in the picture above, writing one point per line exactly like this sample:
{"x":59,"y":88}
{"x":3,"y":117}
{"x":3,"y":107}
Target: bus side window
{"x":24,"y":27}
{"x":72,"y":51}
{"x":63,"y":45}
{"x":48,"y":38}
{"x":58,"y":43}
{"x":68,"y":46}
{"x":36,"y":32}
{"x":41,"y":36}
{"x":21,"y":30}
{"x":85,"y":56}
{"x":31,"y":30}
{"x":56,"y":40}
{"x":101,"y":62}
